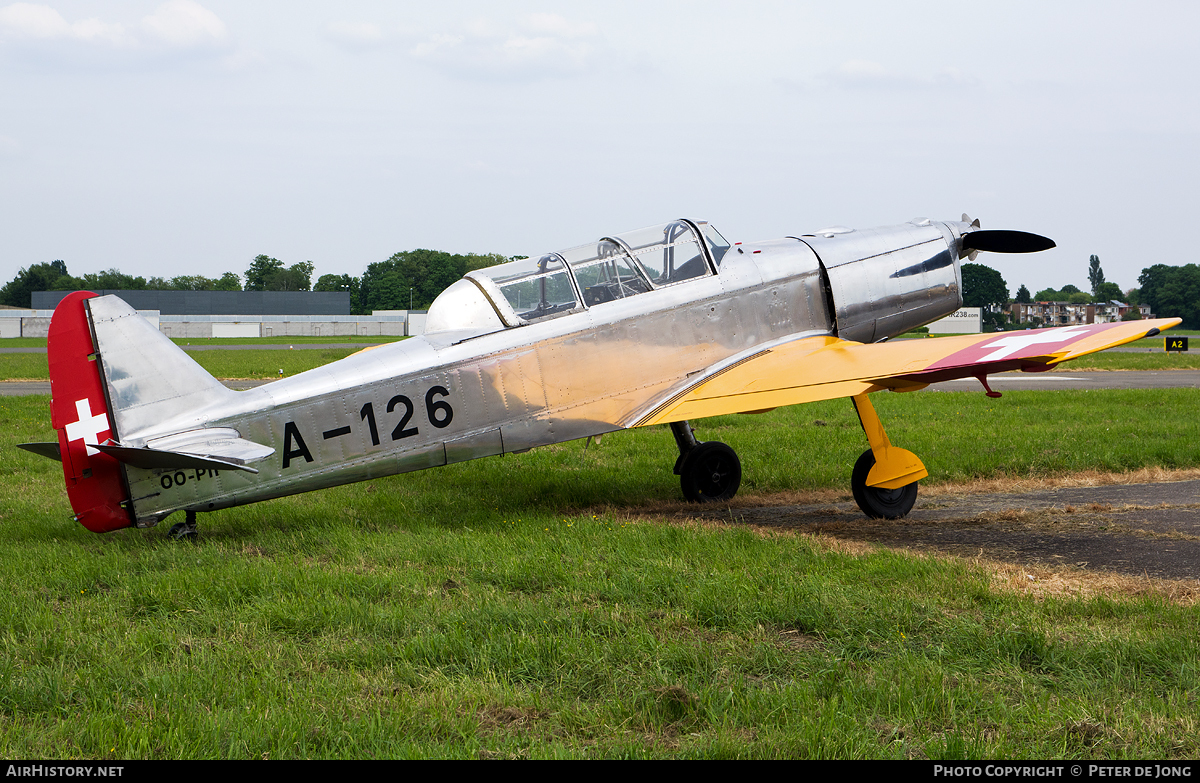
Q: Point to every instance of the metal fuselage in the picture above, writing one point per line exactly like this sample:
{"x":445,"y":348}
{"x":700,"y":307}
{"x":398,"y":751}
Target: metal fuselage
{"x":485,"y":390}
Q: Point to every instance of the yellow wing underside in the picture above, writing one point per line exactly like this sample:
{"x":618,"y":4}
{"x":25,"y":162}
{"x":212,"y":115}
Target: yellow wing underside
{"x":824,"y":368}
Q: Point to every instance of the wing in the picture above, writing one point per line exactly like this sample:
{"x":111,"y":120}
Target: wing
{"x":808,"y":369}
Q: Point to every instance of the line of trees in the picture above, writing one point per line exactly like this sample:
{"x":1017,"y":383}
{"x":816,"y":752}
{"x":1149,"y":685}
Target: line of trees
{"x":54,"y":276}
{"x":1169,"y":291}
{"x":1172,"y":292}
{"x":412,"y":277}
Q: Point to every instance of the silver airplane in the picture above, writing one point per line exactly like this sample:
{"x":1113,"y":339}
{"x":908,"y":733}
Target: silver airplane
{"x":662,"y":325}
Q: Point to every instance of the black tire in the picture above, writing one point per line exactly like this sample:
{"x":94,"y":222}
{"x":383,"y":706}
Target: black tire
{"x":880,"y":503}
{"x":183,"y":531}
{"x":710,"y":472}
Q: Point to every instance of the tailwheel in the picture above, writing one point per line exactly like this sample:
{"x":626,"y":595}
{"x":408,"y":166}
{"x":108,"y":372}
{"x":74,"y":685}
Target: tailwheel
{"x":877,"y":502}
{"x":185,"y":530}
{"x":710,"y":471}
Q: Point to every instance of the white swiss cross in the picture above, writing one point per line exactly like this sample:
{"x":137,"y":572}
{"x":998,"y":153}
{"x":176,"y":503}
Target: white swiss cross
{"x":89,"y":427}
{"x":1007,"y":346}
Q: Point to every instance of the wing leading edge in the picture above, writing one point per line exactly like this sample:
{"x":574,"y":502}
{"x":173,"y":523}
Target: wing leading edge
{"x":810,"y":369}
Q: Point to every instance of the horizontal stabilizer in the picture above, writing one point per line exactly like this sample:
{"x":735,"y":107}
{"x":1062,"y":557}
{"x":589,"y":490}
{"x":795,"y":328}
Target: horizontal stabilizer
{"x":50,"y":450}
{"x":212,"y":448}
{"x":154,"y":459}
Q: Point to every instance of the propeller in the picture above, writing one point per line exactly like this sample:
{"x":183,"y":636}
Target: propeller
{"x":1006,"y":242}
{"x":1000,"y":241}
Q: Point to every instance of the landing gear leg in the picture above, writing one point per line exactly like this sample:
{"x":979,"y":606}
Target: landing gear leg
{"x":707,"y":471}
{"x":185,"y":530}
{"x":884,"y":480}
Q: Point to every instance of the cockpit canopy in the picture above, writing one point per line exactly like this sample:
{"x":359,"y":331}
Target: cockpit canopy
{"x":555,"y":284}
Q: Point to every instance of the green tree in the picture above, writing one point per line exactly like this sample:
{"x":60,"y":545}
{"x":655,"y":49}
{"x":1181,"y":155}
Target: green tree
{"x":475,"y":261}
{"x":1106,"y":292}
{"x":192,"y":283}
{"x":53,"y":276}
{"x":111,"y":280}
{"x":1023,"y":295}
{"x":261,"y":268}
{"x":983,"y":287}
{"x":297,"y":277}
{"x":1095,"y":273}
{"x":229,"y":281}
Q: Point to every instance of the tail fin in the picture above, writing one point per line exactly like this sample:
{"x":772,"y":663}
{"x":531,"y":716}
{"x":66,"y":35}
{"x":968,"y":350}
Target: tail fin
{"x":79,"y":410}
{"x":150,"y":380}
{"x":114,"y":377}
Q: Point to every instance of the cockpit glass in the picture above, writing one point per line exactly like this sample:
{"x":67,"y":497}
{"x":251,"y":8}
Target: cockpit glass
{"x":604,"y":272}
{"x":535,"y":287}
{"x":717,"y":244}
{"x":668,"y":253}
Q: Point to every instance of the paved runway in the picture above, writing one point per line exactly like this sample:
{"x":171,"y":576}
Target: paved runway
{"x":1135,"y":529}
{"x":1124,"y":379}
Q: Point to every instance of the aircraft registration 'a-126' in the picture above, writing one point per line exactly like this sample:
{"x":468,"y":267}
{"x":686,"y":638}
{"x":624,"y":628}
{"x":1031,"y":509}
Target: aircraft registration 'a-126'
{"x":662,"y":325}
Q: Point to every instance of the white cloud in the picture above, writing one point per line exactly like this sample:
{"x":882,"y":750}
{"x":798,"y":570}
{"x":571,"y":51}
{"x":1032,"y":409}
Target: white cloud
{"x":9,"y":146}
{"x":537,"y":46}
{"x":185,"y":24}
{"x":41,"y":22}
{"x":177,"y":24}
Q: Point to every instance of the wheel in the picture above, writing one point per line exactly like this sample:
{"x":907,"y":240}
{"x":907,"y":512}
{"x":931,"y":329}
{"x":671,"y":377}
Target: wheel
{"x":711,"y":471}
{"x":185,"y":530}
{"x":880,"y":503}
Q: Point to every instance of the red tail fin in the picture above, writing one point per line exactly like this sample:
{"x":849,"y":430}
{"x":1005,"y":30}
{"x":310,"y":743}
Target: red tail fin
{"x":79,"y":411}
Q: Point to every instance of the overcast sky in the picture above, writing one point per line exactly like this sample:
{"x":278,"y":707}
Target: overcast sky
{"x":182,"y":137}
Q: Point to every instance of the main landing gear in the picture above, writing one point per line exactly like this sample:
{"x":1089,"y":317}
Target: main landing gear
{"x":185,"y":530}
{"x":707,"y":471}
{"x":884,"y":480}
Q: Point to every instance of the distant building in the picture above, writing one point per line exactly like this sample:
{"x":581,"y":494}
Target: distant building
{"x":220,"y":302}
{"x":205,"y":314}
{"x":1068,"y":314}
{"x":965,"y":320}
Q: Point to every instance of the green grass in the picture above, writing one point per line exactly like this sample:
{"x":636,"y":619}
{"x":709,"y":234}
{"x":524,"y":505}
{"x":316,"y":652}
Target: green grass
{"x":222,"y":364}
{"x":266,"y":363}
{"x":515,"y":607}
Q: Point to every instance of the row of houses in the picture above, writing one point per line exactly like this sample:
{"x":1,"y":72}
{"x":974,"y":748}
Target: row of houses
{"x":1068,"y":314}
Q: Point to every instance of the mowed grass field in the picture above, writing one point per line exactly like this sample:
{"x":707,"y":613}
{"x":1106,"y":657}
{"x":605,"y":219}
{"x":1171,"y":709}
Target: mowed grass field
{"x":544,"y":605}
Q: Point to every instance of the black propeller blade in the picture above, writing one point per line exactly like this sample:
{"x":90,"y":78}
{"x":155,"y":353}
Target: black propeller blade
{"x":1006,"y":242}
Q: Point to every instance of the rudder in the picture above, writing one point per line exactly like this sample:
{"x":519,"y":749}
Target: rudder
{"x":79,"y":411}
